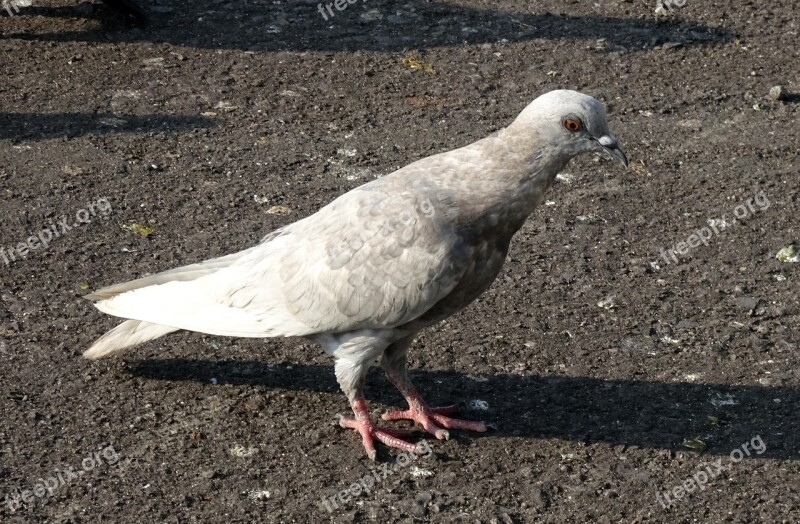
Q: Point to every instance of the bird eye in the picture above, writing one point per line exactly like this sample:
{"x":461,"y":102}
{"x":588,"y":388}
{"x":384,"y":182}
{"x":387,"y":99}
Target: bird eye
{"x":572,"y":125}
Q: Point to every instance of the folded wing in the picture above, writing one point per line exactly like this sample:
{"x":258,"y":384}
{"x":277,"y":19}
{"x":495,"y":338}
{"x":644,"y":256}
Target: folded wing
{"x":373,"y":258}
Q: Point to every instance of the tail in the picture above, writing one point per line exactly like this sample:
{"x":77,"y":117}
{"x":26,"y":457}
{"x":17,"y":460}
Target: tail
{"x":216,"y":297}
{"x":129,"y":333}
{"x":180,"y":274}
{"x":134,"y":332}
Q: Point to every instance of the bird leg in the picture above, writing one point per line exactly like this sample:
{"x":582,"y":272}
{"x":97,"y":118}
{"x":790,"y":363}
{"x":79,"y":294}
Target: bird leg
{"x":433,"y":420}
{"x":350,"y":373}
{"x":369,"y":432}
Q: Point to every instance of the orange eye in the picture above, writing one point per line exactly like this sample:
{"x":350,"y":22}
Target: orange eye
{"x":572,"y":125}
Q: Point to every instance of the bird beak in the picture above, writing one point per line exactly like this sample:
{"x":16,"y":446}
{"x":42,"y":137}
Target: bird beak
{"x":610,"y":146}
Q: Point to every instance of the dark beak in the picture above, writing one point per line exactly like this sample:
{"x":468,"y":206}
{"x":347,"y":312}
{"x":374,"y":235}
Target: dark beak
{"x":610,"y":146}
{"x":617,"y":153}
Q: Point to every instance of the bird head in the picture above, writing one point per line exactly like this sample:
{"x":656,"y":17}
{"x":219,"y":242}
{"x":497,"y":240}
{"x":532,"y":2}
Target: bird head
{"x":572,"y":123}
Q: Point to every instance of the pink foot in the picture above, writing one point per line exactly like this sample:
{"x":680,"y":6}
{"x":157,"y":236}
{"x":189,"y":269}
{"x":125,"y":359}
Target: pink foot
{"x":369,"y":433}
{"x":433,"y":420}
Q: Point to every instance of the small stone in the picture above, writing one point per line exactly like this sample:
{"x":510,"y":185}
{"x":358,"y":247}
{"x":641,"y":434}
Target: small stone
{"x":694,"y":444}
{"x":258,"y":495}
{"x":778,"y":93}
{"x":589,"y":219}
{"x":789,"y":254}
{"x":371,"y":15}
{"x":421,"y":473}
{"x":279,"y":210}
{"x":565,"y":178}
{"x":240,"y":451}
{"x":607,"y":303}
{"x":478,"y":405}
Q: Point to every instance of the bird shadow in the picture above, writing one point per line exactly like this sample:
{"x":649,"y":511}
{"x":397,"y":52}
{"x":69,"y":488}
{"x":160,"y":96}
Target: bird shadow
{"x":264,"y":25}
{"x":112,"y":13}
{"x":39,"y":126}
{"x":631,"y":413}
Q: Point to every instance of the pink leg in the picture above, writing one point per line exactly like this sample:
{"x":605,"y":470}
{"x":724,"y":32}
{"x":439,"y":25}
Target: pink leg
{"x":433,"y":420}
{"x":364,"y":425}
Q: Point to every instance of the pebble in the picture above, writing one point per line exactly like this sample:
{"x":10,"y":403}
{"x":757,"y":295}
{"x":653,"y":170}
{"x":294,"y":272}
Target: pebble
{"x":258,"y":495}
{"x":421,"y":473}
{"x":478,"y":405}
{"x":607,"y":303}
{"x":279,"y":210}
{"x":778,"y":93}
{"x":788,"y":254}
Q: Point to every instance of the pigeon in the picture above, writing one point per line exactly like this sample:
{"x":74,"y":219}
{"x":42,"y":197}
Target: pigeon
{"x":367,"y":272}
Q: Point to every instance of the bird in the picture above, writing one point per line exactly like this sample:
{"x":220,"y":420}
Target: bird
{"x":367,"y":272}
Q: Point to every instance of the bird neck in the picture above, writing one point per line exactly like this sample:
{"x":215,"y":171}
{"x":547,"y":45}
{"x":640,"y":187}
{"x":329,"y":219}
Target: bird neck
{"x":522,"y":172}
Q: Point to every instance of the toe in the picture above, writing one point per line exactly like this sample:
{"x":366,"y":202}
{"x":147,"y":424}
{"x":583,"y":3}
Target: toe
{"x":347,"y":422}
{"x":454,"y":423}
{"x":369,"y":433}
{"x":394,"y":442}
{"x":398,"y":415}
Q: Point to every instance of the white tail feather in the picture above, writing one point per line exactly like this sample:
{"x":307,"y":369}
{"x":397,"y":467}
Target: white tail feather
{"x":200,"y":297}
{"x":180,"y":274}
{"x":190,"y":306}
{"x":127,"y":334}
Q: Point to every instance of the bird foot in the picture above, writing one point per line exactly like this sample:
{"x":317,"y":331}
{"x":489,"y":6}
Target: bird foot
{"x":435,"y":420}
{"x":370,"y":433}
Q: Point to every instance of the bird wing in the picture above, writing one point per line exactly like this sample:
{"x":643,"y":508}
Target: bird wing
{"x":374,"y":258}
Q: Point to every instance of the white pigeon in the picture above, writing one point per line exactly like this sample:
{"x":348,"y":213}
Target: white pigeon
{"x":364,"y":274}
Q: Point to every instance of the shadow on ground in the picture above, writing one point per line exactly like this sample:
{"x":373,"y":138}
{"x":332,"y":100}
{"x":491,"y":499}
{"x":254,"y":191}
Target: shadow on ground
{"x":625,"y":412}
{"x":381,"y":25}
{"x":39,"y":126}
